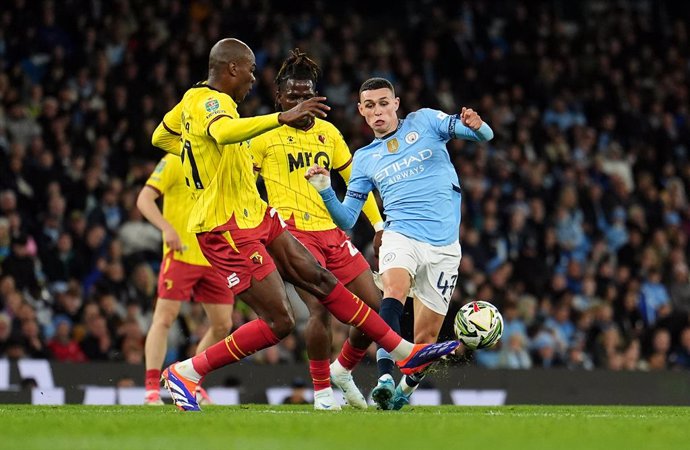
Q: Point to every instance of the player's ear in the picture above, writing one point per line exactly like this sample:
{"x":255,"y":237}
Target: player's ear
{"x":396,"y":103}
{"x":232,"y":68}
{"x":360,"y":108}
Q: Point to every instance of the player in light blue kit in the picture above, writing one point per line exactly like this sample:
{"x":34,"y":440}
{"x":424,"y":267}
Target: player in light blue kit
{"x":420,"y":253}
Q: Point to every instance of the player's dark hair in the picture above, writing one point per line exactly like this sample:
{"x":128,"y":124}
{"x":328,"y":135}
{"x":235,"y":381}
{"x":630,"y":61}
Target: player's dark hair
{"x":376,"y":83}
{"x":298,"y":66}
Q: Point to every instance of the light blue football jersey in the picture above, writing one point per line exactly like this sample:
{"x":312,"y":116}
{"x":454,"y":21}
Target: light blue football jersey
{"x":412,"y":171}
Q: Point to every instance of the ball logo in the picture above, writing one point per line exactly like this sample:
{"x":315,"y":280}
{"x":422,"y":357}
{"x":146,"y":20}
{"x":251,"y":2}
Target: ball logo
{"x":411,"y":137}
{"x":389,"y":257}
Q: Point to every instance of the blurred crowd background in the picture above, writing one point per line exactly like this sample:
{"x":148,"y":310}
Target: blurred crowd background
{"x":575,"y":218}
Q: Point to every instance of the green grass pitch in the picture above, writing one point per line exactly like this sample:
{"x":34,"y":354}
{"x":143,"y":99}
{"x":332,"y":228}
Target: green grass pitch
{"x":252,"y":427}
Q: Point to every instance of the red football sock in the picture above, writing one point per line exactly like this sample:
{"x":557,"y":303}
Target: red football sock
{"x":350,"y":356}
{"x":320,"y":373}
{"x":350,"y":310}
{"x":247,"y":339}
{"x":153,"y":379}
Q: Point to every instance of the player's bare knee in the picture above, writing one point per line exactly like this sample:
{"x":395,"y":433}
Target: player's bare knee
{"x":397,"y":291}
{"x":164,"y":320}
{"x":221,"y":329}
{"x":282,"y":325}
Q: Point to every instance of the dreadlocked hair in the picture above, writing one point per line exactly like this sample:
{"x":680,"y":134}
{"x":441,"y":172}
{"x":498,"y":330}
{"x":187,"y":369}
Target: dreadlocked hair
{"x":298,"y":66}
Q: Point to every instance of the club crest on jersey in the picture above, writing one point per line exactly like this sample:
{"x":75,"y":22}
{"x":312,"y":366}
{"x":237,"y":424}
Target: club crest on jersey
{"x":212,"y":105}
{"x":393,"y":145}
{"x":257,"y":258}
{"x":322,"y":138}
{"x":411,"y":137}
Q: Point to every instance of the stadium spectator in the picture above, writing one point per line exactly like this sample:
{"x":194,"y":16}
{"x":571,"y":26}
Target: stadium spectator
{"x":597,"y":108}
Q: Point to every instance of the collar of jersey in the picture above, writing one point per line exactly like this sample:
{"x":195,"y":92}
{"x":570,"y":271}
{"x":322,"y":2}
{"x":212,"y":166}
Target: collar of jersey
{"x":203,"y":84}
{"x":383,"y":138}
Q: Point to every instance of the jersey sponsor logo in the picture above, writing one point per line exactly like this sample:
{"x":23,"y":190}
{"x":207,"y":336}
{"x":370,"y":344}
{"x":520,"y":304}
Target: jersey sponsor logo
{"x":404,"y":168}
{"x":356,"y":195}
{"x":393,"y":145}
{"x":212,"y":105}
{"x":233,"y":280}
{"x":411,"y":137}
{"x":306,"y":159}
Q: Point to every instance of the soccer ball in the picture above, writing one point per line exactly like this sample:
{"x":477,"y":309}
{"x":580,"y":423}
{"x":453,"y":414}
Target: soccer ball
{"x":478,"y":325}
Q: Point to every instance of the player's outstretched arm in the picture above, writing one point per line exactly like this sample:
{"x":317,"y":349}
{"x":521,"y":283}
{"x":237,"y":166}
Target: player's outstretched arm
{"x":344,"y":214}
{"x":146,"y":202}
{"x":226,"y":130}
{"x":473,"y":127}
{"x":168,"y":132}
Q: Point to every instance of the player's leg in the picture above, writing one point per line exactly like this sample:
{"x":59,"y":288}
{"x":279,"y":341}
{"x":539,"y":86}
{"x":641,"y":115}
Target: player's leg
{"x":318,"y":339}
{"x":156,"y":346}
{"x":212,"y":292}
{"x":434,"y":285}
{"x":242,"y":260}
{"x":427,"y":326}
{"x":356,"y":345}
{"x":220,"y":324}
{"x":301,"y":269}
{"x":268,"y":299}
{"x":175,"y":282}
{"x":398,"y":262}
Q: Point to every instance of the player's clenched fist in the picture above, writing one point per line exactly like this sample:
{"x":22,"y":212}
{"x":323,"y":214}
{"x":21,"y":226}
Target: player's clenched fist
{"x":319,"y":177}
{"x":470,"y":118}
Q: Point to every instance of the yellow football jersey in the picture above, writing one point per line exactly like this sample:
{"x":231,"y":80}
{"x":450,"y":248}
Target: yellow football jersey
{"x":220,"y":176}
{"x":168,"y":180}
{"x":282,"y":157}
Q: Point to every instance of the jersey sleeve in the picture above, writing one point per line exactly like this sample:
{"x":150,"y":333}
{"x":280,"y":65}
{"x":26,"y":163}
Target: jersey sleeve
{"x":223,"y":124}
{"x":448,"y":127}
{"x":359,"y":184}
{"x":342,"y":162}
{"x":167,"y":134}
{"x":164,"y":175}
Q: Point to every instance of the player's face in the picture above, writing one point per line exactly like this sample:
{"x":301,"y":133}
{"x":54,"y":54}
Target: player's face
{"x":245,"y":77}
{"x":379,"y":108}
{"x":294,"y":92}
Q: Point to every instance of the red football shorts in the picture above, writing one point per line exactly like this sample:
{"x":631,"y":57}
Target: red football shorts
{"x":248,"y":258}
{"x":334,"y":251}
{"x":182,"y":281}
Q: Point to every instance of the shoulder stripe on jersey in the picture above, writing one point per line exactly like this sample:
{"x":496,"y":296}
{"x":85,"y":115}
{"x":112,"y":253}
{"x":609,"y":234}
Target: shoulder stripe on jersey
{"x":349,"y":161}
{"x":154,"y":188}
{"x":169,"y":130}
{"x":208,"y":128}
{"x":457,"y":189}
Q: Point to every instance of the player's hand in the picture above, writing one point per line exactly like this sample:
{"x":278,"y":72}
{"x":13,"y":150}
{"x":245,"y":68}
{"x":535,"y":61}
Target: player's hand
{"x":319,"y":177}
{"x":314,"y":107}
{"x":172,"y":239}
{"x":470,"y":118}
{"x":377,"y":242}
